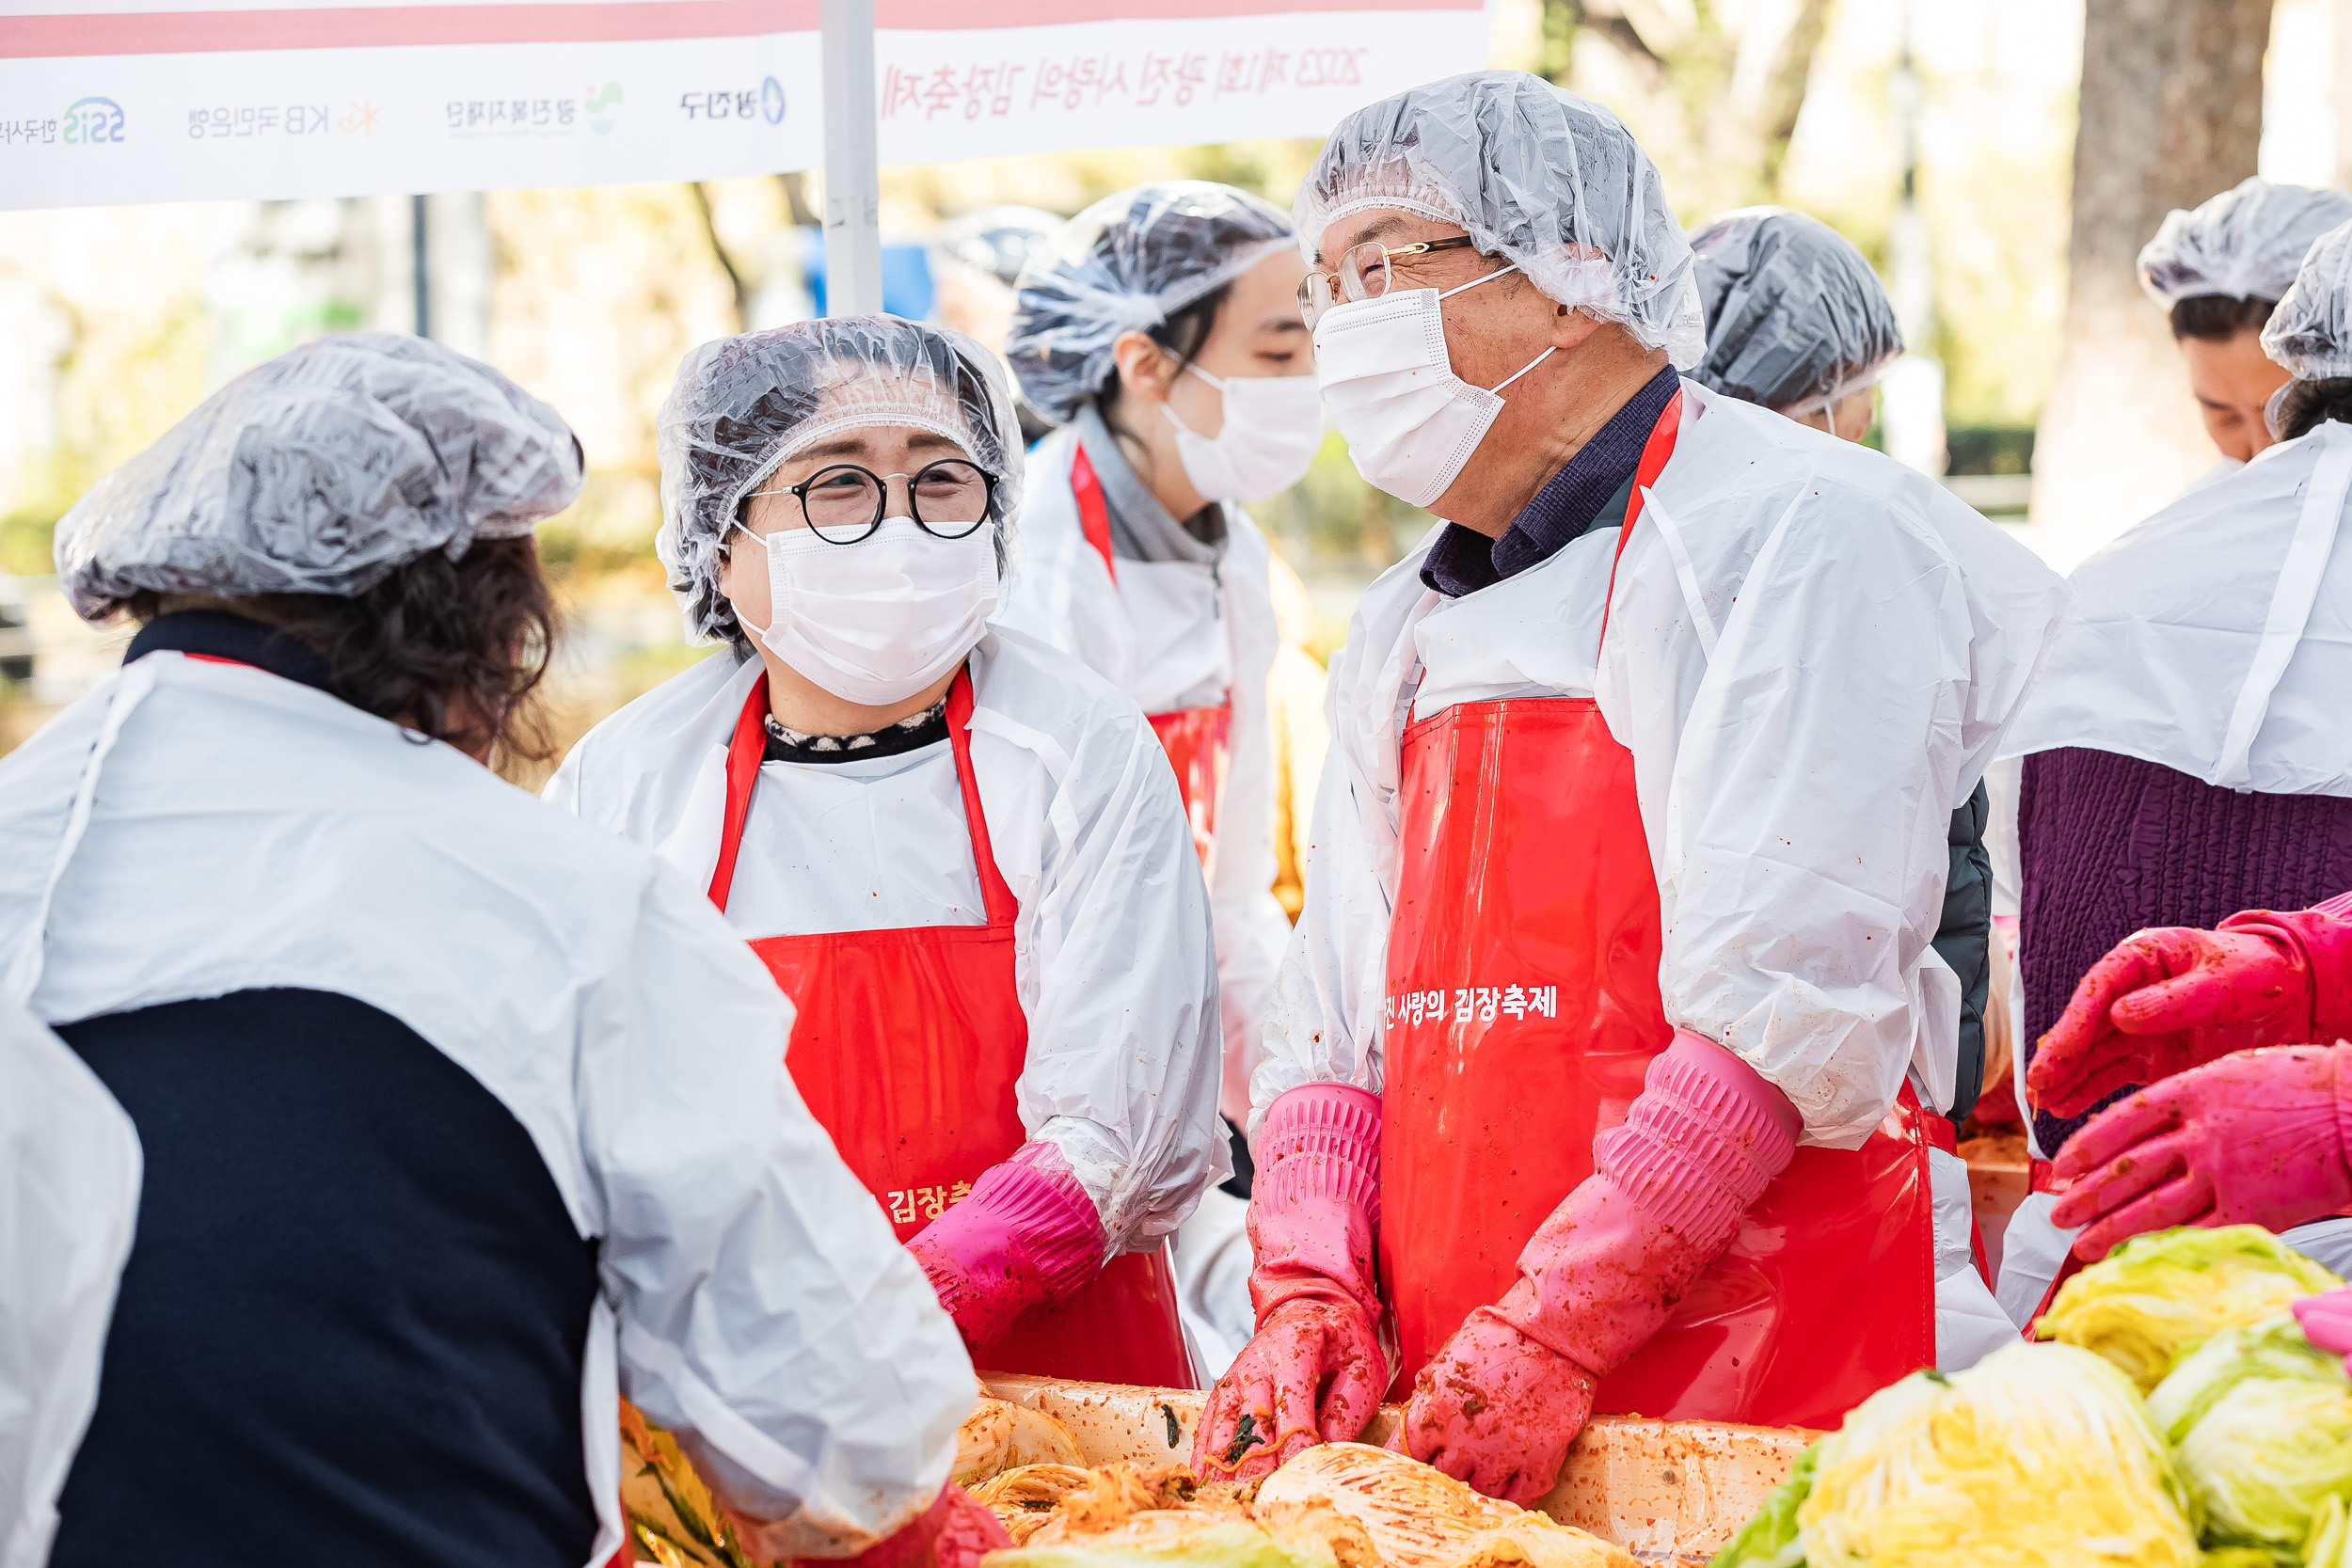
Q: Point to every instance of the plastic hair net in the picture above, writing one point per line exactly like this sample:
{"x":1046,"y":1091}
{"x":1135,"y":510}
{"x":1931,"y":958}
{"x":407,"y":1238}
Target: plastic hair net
{"x":998,"y":241}
{"x":1795,"y":318}
{"x":1534,"y":173}
{"x":2245,"y":242}
{"x":2311,"y":331}
{"x":1126,"y":264}
{"x":742,"y":406}
{"x":321,"y":471}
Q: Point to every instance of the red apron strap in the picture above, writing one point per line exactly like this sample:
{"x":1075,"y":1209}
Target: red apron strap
{"x":749,"y":749}
{"x":1655,"y":451}
{"x":1094,"y":515}
{"x":745,"y":753}
{"x":994,"y":895}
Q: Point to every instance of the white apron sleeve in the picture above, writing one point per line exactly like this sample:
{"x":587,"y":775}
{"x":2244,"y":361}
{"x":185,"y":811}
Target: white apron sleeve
{"x":1323,"y":1025}
{"x":767,"y":1315}
{"x":67,"y":1212}
{"x":1251,"y":929}
{"x":1798,"y":755}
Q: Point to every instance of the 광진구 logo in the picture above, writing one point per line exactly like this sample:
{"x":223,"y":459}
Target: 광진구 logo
{"x":91,"y":120}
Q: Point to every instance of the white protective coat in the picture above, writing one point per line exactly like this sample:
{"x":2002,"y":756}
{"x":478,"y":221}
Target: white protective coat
{"x":67,"y":1212}
{"x":1112,"y":946}
{"x":2216,"y":638}
{"x":1798,"y":829}
{"x":1176,"y":635}
{"x":752,"y":1297}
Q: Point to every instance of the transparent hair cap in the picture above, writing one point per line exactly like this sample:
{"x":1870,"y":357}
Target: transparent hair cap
{"x":1550,"y":181}
{"x":1126,"y":264}
{"x":1796,"y":319}
{"x":2244,"y":243}
{"x":321,"y":471}
{"x":2309,"y":333}
{"x":743,"y":406}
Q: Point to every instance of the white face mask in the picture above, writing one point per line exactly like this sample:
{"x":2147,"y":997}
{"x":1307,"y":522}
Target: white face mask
{"x":1410,"y":422}
{"x":877,"y":621}
{"x":1273,"y":425}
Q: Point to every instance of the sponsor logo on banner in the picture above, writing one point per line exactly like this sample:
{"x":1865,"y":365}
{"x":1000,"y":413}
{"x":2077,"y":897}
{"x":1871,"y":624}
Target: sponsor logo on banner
{"x":1113,"y":79}
{"x":764,"y":102}
{"x":360,"y":118}
{"x":89,"y":122}
{"x":601,"y":105}
{"x":247,"y":120}
{"x":474,"y":117}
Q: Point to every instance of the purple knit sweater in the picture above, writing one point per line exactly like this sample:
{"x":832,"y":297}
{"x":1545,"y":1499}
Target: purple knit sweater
{"x":2110,"y":845}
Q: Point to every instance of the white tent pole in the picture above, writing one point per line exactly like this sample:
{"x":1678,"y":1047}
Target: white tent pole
{"x":852,"y":169}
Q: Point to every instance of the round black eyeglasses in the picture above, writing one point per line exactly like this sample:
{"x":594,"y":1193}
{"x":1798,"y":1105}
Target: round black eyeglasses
{"x":844,"y":505}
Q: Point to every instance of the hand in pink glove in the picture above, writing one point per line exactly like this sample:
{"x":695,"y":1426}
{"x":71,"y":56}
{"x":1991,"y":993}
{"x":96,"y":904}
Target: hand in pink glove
{"x":953,"y":1532}
{"x":1027,"y":1236}
{"x":2256,"y":1137}
{"x":1499,"y":1405}
{"x":2168,"y":999}
{"x":2325,"y":1320}
{"x":1314,"y":1372}
{"x":1496,"y":1409}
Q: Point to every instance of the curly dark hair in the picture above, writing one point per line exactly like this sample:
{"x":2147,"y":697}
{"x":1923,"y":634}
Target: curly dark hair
{"x":454,"y":649}
{"x":2218,"y":318}
{"x":2305,"y":406}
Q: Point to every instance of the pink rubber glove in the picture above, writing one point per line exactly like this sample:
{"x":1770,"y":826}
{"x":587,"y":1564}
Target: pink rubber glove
{"x":1025,"y":1236}
{"x":2256,"y":1137}
{"x":2173,"y":997}
{"x":1314,"y":1372}
{"x":953,"y":1532}
{"x":1499,"y":1405}
{"x":2325,"y":1320}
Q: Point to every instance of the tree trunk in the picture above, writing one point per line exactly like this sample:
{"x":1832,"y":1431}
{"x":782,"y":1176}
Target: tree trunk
{"x":2172,"y":114}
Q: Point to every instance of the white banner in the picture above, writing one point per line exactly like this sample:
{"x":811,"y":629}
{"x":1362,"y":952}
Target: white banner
{"x":188,"y":100}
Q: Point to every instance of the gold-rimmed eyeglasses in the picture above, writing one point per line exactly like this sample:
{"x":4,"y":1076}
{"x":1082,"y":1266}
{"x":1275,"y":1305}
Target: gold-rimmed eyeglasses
{"x":1362,"y":273}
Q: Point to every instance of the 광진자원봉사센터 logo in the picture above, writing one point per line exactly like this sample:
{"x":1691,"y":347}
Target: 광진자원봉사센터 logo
{"x":89,"y":122}
{"x":601,"y":103}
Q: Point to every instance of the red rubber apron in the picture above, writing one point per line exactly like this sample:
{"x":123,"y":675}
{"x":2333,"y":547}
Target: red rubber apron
{"x":1522,"y":1013}
{"x":1199,"y":740}
{"x":906,"y":1045}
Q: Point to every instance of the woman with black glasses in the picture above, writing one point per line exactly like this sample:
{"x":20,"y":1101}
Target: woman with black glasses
{"x":956,"y":849}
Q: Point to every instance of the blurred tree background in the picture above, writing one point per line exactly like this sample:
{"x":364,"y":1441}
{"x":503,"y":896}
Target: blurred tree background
{"x":114,"y":321}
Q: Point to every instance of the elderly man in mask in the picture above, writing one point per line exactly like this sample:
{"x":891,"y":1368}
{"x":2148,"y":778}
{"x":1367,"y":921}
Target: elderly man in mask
{"x":1613,"y":1030}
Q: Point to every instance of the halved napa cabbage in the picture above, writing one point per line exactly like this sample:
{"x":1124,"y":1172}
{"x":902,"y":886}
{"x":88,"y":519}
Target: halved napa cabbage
{"x":2157,"y":1297}
{"x":1420,"y":1518}
{"x":2259,"y":1421}
{"x":2039,"y":1456}
{"x":1000,"y":1436}
{"x":1173,"y":1539}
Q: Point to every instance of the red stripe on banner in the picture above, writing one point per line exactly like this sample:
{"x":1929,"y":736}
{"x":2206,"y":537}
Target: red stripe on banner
{"x":619,"y":22}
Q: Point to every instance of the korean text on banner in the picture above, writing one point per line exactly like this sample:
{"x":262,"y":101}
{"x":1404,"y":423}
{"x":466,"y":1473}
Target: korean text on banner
{"x":179,"y":99}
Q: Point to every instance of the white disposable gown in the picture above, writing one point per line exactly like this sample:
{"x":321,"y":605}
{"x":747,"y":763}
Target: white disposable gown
{"x":191,"y":830}
{"x":66,"y":1216}
{"x":2214,"y":639}
{"x":1112,"y":953}
{"x":1797,"y":826}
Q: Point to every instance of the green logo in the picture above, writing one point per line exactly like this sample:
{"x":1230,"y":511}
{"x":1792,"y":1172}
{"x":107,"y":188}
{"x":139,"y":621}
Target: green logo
{"x":600,"y":106}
